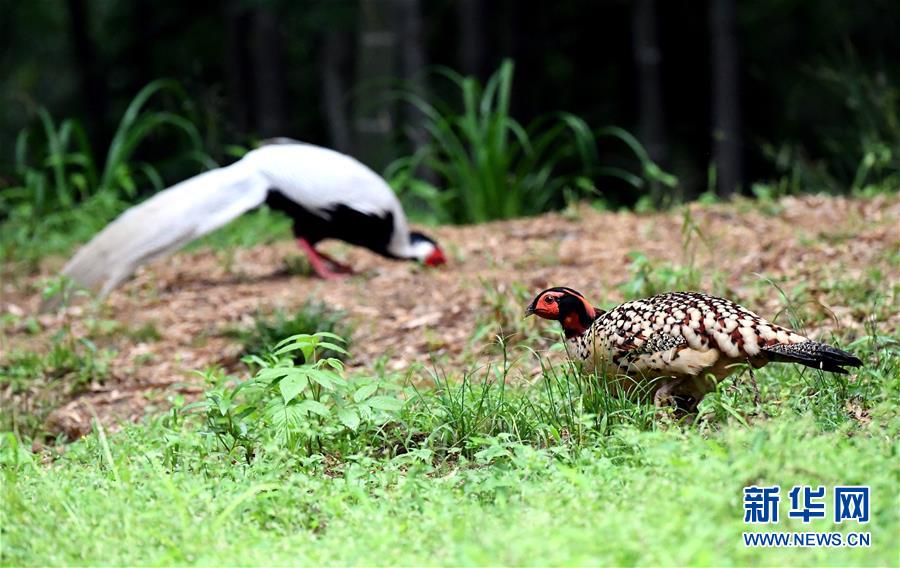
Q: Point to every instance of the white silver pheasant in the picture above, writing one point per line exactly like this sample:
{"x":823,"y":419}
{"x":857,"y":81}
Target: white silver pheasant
{"x":678,"y":343}
{"x":328,"y":195}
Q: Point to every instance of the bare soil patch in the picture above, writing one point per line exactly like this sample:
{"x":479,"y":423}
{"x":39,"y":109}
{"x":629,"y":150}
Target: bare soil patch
{"x":411,"y":314}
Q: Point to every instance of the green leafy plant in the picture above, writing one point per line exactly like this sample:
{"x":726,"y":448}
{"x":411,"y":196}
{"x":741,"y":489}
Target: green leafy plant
{"x":577,"y":406}
{"x":456,"y":414}
{"x":492,"y":167}
{"x":648,"y":278}
{"x":306,"y":408}
{"x":566,"y":407}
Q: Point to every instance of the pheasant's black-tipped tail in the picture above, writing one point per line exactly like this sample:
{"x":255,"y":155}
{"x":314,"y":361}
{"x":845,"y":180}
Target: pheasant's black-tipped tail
{"x":814,"y":354}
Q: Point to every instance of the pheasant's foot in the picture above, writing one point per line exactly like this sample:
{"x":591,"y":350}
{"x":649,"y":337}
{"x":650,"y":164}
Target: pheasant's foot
{"x":318,"y":262}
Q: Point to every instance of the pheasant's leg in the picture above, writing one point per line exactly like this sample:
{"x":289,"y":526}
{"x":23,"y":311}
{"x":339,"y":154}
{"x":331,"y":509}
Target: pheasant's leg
{"x":337,"y":265}
{"x":753,"y":382}
{"x":663,"y":395}
{"x":316,"y":260}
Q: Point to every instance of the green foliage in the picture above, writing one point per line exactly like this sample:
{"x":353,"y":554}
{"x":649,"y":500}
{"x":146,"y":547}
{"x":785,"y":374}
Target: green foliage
{"x":305,"y":408}
{"x":261,"y":226}
{"x":492,"y":167}
{"x":463,"y":418}
{"x":871,"y":148}
{"x":500,"y":315}
{"x":862,"y":154}
{"x":647,"y":278}
{"x":456,"y":417}
{"x":310,"y":318}
{"x":309,"y":463}
{"x":578,"y":406}
{"x":63,"y":194}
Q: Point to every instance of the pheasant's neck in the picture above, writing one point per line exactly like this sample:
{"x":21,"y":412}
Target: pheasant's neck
{"x":574,"y":326}
{"x":578,"y":322}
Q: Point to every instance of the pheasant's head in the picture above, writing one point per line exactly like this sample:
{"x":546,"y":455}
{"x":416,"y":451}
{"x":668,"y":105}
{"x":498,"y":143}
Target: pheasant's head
{"x":565,"y":305}
{"x":425,"y":250}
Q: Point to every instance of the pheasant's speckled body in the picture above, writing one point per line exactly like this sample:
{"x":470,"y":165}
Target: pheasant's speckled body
{"x":688,"y":339}
{"x":678,"y":333}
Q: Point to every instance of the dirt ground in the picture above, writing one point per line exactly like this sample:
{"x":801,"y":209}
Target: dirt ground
{"x":413,"y":314}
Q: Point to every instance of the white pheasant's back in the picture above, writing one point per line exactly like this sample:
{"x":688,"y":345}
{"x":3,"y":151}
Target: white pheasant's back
{"x":319,"y":177}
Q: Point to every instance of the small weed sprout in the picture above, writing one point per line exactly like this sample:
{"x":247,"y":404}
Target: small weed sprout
{"x":501,"y":314}
{"x":32,"y":384}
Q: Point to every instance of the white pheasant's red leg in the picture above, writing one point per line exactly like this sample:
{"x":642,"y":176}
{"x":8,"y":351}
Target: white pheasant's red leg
{"x":338,"y":266}
{"x":316,"y":260}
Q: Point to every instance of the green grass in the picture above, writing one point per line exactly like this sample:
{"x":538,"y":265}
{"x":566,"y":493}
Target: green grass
{"x":62,"y":194}
{"x":300,"y":461}
{"x":666,"y":497}
{"x":474,"y":470}
{"x":34,"y":383}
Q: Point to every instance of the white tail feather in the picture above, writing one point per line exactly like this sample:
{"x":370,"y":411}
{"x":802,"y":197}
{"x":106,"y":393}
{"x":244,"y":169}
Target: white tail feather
{"x":166,"y":222}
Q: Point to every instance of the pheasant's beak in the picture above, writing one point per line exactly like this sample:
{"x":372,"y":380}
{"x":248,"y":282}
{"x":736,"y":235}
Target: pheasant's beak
{"x":529,"y":311}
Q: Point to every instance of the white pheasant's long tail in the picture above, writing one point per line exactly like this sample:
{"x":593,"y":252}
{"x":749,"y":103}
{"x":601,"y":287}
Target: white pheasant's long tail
{"x":166,"y":222}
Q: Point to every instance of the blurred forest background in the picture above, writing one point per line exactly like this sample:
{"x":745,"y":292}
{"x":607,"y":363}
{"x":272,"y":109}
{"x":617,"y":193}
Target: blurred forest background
{"x":764,"y":96}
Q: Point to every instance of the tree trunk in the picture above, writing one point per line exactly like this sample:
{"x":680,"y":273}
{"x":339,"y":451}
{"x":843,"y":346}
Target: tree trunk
{"x":412,"y":66}
{"x":335,"y":52}
{"x":726,"y":131}
{"x":373,"y":122}
{"x":93,"y":83}
{"x":237,"y":65}
{"x":269,"y":74}
{"x":471,"y":38}
{"x":647,"y":59}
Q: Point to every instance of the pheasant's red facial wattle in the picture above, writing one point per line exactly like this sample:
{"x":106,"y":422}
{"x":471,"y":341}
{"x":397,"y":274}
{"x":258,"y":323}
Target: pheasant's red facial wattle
{"x":436,"y":258}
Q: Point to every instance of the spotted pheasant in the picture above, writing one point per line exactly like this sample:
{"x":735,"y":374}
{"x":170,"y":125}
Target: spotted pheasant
{"x":681,"y":343}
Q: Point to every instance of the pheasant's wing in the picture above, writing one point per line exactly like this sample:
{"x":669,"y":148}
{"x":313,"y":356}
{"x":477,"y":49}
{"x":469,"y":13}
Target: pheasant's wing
{"x":673,"y":334}
{"x":166,"y":222}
